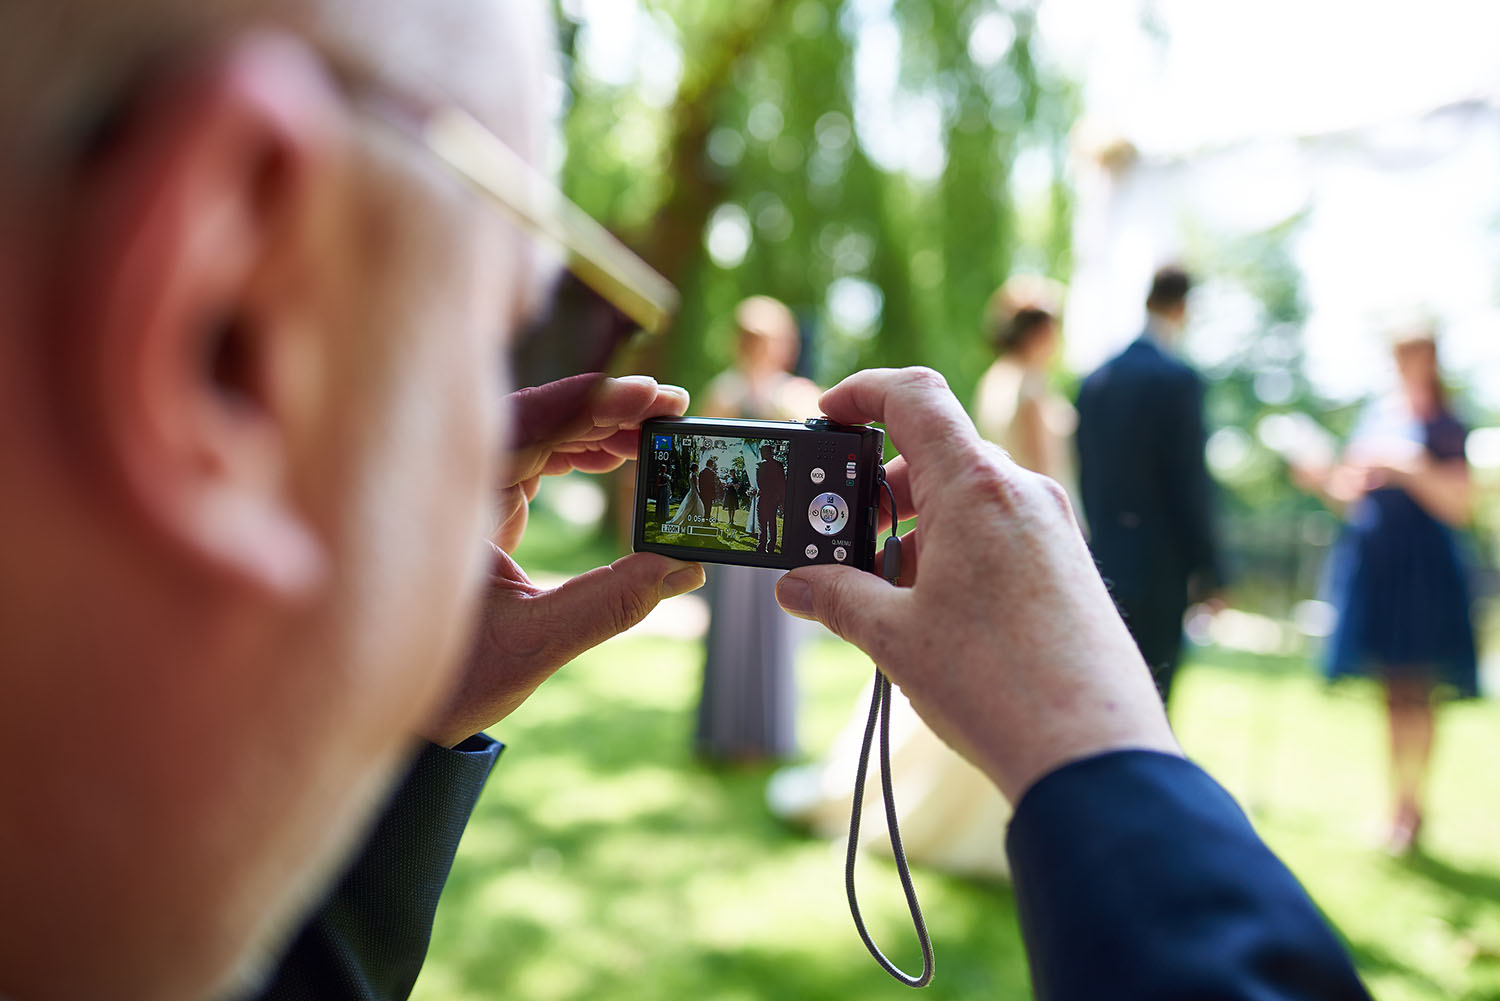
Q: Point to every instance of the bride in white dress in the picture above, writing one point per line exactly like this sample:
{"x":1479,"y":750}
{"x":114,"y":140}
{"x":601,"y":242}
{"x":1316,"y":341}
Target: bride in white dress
{"x":692,"y":504}
{"x":952,"y":818}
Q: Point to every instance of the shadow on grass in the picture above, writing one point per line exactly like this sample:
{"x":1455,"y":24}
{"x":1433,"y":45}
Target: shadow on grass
{"x":635,"y":896}
{"x":1471,"y":884}
{"x":1468,"y":907}
{"x":1374,"y":960}
{"x":1242,"y":661}
{"x":606,"y":860}
{"x":758,"y":972}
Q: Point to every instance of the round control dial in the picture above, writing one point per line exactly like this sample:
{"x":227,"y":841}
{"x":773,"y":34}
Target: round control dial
{"x":828,"y":513}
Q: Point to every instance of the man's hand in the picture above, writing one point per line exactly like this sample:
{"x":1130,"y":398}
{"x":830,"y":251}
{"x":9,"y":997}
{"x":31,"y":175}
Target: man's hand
{"x":526,"y":632}
{"x":1005,"y":641}
{"x":585,"y":423}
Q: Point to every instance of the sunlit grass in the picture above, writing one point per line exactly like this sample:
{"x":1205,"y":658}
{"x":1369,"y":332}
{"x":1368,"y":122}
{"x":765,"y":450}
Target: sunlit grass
{"x":605,"y":862}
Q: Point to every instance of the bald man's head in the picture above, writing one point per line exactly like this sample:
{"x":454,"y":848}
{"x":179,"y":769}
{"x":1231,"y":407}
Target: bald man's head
{"x":250,"y":345}
{"x":60,"y":57}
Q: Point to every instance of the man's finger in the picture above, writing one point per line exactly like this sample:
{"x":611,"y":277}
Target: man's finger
{"x":580,"y":614}
{"x":542,"y":414}
{"x":624,"y":442}
{"x":922,"y":417}
{"x":857,"y":606}
{"x":633,"y":398}
{"x":572,"y":409}
{"x":921,"y":413}
{"x":590,"y":461}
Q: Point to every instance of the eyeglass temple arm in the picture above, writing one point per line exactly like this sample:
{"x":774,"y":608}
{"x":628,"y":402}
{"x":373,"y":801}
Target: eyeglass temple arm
{"x":604,"y":263}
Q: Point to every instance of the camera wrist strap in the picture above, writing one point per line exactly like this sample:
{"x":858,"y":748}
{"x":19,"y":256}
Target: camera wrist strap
{"x":880,"y":714}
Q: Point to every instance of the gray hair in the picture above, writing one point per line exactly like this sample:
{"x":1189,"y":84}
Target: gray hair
{"x":62,"y":61}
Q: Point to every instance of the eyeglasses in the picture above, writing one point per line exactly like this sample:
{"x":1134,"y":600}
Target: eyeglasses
{"x":573,"y":336}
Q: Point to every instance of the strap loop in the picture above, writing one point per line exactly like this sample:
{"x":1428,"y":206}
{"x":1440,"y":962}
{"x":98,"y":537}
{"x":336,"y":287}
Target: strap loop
{"x":880,"y":712}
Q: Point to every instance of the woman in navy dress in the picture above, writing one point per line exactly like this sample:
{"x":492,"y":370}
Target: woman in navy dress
{"x":1396,"y":575}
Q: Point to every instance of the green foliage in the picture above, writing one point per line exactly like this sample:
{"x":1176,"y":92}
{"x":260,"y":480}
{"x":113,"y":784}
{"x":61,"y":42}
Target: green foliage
{"x":1262,"y":373}
{"x":764,"y":127}
{"x":1274,"y":534}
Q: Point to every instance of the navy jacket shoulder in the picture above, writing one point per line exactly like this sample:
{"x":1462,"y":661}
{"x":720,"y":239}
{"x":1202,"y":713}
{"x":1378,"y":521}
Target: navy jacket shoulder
{"x":1138,"y":877}
{"x":368,"y":940}
{"x":1142,"y":363}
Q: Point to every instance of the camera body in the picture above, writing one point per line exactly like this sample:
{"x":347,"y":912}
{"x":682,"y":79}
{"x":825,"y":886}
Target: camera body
{"x":777,"y":494}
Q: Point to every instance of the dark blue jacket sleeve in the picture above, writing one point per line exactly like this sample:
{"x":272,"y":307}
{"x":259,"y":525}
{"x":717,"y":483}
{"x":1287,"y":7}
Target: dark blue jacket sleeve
{"x":368,"y":940}
{"x":1138,"y":877}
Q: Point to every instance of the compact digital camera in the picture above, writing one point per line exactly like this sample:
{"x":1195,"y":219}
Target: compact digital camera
{"x":778,"y":494}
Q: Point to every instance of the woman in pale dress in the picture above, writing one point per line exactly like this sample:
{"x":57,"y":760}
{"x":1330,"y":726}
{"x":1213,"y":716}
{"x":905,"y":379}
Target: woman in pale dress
{"x":951,"y":816}
{"x":1014,"y":406}
{"x":747,"y":712}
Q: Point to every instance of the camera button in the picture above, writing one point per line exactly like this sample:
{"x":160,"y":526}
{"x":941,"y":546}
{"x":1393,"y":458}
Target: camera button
{"x":840,"y":553}
{"x":811,"y":551}
{"x":828,"y":513}
{"x":818,"y":475}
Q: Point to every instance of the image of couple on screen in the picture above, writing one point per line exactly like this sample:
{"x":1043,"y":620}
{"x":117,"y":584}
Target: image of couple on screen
{"x":734,"y":498}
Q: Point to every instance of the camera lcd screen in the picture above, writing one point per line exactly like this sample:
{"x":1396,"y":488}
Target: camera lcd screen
{"x":716,"y":492}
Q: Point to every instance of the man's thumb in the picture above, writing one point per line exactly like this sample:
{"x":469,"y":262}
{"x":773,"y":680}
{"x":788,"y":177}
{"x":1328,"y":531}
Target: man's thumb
{"x":850,"y":602}
{"x":592,"y":607}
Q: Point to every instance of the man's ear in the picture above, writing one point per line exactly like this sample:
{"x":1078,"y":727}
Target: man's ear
{"x":187,"y":333}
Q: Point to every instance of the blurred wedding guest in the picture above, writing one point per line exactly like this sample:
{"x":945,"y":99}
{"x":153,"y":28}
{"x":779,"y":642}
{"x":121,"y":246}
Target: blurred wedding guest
{"x":1014,"y":407}
{"x":1396,"y":574}
{"x":948,"y":811}
{"x":1146,"y":492}
{"x":663,"y":494}
{"x":731,"y":500}
{"x":747,"y":711}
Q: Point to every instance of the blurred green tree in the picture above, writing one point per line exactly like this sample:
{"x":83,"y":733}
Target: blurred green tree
{"x":854,"y":158}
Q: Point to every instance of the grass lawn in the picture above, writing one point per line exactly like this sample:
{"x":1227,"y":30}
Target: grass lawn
{"x":604,"y":862}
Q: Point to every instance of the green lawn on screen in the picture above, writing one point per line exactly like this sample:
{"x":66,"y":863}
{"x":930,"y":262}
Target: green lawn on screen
{"x":719,"y":533}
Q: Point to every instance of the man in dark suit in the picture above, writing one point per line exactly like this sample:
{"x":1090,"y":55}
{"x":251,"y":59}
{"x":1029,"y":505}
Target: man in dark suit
{"x":770,"y":477}
{"x":708,"y":488}
{"x":1146,"y":492}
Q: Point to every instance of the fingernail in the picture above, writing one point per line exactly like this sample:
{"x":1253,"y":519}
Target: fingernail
{"x":795,"y":595}
{"x":643,"y":380}
{"x":682,"y":581}
{"x":667,"y":387}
